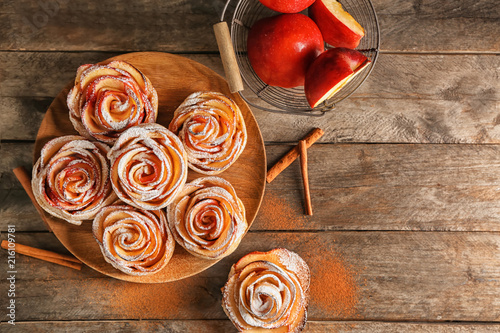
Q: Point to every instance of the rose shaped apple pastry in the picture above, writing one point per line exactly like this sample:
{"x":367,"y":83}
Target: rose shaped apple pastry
{"x":268,"y":291}
{"x":212,"y":129}
{"x":71,"y":178}
{"x":207,"y":218}
{"x":148,"y":166}
{"x":134,"y":241}
{"x":108,"y":99}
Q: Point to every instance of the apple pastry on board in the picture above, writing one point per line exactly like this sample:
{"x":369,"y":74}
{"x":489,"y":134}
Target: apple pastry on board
{"x":207,"y":218}
{"x":148,"y":166}
{"x":108,"y":99}
{"x":134,"y":241}
{"x":71,"y":178}
{"x":212,"y":130}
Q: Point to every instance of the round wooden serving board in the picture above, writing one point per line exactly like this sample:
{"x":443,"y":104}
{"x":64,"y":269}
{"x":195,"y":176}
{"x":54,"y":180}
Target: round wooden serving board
{"x":174,"y":78}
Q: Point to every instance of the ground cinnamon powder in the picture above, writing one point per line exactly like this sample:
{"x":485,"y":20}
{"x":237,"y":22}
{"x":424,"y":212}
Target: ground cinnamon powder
{"x":334,"y":287}
{"x":173,"y":300}
{"x":278,"y":214}
{"x":334,"y":290}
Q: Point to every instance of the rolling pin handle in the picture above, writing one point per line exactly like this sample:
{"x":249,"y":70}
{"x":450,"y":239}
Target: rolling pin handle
{"x":228,"y":57}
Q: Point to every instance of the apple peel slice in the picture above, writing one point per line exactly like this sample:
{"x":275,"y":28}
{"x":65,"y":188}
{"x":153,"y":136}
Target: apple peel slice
{"x":331,"y":71}
{"x":338,"y":27}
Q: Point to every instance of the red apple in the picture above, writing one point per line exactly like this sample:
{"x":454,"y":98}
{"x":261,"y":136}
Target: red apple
{"x":331,"y":71}
{"x":287,"y":6}
{"x":338,"y":27}
{"x":281,"y":48}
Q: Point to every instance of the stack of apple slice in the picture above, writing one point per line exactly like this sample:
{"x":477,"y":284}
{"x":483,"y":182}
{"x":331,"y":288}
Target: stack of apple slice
{"x":287,"y":50}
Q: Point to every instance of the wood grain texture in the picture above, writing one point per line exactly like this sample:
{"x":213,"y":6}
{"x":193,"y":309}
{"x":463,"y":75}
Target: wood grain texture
{"x":223,"y":326}
{"x":416,"y":225}
{"x":138,"y":26}
{"x":394,"y":105}
{"x":410,"y":276}
{"x":185,"y":26}
{"x":174,"y":78}
{"x":427,"y":26}
{"x":387,"y":187}
{"x":353,"y":186}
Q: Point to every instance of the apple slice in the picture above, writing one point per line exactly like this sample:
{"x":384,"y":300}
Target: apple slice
{"x":331,"y":71}
{"x":338,"y":27}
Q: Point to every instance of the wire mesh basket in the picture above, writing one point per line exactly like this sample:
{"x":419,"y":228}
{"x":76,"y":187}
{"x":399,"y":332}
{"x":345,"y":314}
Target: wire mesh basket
{"x":293,"y":100}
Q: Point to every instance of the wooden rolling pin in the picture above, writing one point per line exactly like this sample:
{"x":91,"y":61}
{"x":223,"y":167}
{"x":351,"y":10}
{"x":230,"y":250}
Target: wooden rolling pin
{"x":228,"y":57}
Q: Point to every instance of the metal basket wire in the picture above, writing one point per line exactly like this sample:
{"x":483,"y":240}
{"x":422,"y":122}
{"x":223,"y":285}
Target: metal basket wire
{"x":293,"y":100}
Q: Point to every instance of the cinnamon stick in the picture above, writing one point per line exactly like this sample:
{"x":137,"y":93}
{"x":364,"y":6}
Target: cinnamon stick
{"x":25,"y":179}
{"x":305,"y":176}
{"x":286,"y":160}
{"x":53,"y":257}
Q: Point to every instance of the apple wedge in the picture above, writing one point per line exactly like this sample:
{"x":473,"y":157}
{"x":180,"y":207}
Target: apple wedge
{"x":330,"y":71}
{"x":338,"y":27}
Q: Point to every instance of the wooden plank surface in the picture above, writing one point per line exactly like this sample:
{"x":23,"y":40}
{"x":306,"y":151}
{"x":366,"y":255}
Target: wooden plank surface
{"x":395,"y":76}
{"x":393,"y":105}
{"x":406,"y":25}
{"x":353,"y":186}
{"x":410,"y":230}
{"x":222,"y":326}
{"x":381,"y":276}
{"x":441,"y":26}
{"x":140,"y":25}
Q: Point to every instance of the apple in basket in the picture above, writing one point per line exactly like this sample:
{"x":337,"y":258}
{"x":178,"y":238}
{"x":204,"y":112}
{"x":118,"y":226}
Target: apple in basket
{"x":287,"y":6}
{"x":331,"y":71}
{"x":281,"y":48}
{"x":338,"y":27}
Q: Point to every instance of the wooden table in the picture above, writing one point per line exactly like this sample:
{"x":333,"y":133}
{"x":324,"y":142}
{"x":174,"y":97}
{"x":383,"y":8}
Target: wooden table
{"x":405,"y":182}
